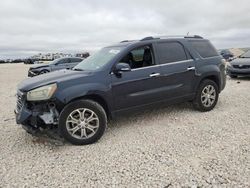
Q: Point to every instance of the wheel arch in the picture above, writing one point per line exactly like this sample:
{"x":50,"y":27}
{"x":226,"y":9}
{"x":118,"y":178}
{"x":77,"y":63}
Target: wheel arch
{"x":44,"y":69}
{"x":97,"y":98}
{"x":213,"y":76}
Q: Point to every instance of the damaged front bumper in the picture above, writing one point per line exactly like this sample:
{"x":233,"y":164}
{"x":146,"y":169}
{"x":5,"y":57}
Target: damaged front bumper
{"x":35,"y":116}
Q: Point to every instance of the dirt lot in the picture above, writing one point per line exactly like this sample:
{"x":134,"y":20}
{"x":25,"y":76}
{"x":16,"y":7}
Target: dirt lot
{"x":172,"y":146}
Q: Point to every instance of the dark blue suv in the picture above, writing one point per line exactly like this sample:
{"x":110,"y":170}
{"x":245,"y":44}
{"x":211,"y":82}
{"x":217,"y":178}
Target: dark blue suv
{"x":120,"y":78}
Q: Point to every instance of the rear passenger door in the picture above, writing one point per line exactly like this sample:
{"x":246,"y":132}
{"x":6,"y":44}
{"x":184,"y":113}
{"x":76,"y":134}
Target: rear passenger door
{"x":177,"y":69}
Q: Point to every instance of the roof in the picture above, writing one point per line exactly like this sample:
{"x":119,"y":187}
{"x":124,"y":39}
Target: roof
{"x":125,"y":43}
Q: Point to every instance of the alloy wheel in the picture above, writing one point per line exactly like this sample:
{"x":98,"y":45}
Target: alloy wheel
{"x":82,"y":123}
{"x":208,"y":96}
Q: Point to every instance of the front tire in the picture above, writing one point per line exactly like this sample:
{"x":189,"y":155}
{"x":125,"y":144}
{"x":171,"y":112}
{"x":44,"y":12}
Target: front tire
{"x":206,"y":96}
{"x":82,"y":122}
{"x":43,"y":72}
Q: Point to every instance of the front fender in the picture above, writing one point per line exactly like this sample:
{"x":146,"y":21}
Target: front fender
{"x":79,"y":91}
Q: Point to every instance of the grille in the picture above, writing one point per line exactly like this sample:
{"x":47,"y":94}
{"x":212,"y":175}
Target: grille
{"x":20,"y":100}
{"x":241,"y":66}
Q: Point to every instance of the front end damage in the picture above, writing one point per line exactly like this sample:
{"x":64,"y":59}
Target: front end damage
{"x":36,"y":117}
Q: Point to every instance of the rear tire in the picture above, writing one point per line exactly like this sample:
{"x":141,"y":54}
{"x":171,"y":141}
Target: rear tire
{"x":206,"y":96}
{"x":82,"y":122}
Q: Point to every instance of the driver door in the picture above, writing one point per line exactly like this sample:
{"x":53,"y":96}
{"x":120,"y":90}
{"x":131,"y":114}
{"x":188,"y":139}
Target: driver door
{"x":141,"y":85}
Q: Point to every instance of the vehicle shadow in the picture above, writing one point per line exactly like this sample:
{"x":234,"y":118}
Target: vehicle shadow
{"x":149,"y":114}
{"x":240,"y":78}
{"x":127,"y":119}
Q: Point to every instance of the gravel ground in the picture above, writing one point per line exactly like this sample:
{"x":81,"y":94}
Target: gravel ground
{"x":174,"y":146}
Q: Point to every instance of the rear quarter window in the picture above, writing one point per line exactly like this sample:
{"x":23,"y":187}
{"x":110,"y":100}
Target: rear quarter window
{"x":204,"y":48}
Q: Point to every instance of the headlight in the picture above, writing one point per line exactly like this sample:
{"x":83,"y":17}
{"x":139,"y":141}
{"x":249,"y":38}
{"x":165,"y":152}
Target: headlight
{"x":228,"y":65}
{"x":42,"y":93}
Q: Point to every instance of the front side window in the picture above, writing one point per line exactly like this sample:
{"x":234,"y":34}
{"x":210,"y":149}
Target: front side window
{"x":139,"y":57}
{"x":62,"y":61}
{"x":171,"y":52}
{"x":99,"y":59}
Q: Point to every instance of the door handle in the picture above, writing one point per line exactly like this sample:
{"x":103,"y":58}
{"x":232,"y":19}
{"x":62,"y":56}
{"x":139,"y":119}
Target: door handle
{"x":190,"y":68}
{"x":154,"y":74}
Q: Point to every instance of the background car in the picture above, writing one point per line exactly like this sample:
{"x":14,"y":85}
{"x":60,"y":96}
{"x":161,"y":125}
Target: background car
{"x":2,"y":61}
{"x":58,"y":64}
{"x":30,"y":61}
{"x":226,"y":54}
{"x":239,"y":66}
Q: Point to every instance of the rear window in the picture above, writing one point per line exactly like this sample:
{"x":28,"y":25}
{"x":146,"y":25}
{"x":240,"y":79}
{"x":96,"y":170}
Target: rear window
{"x":204,"y":48}
{"x":171,"y":52}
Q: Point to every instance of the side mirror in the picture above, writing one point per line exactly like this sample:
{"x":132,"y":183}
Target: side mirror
{"x":122,"y":67}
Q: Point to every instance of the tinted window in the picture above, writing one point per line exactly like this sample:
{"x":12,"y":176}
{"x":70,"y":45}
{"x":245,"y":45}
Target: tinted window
{"x":62,"y":61}
{"x":75,"y":60}
{"x":171,"y":52}
{"x":139,"y":57}
{"x":204,"y":48}
{"x":138,"y":54}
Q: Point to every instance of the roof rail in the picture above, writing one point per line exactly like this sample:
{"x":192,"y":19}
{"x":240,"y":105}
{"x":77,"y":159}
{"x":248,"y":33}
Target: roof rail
{"x":165,"y":37}
{"x":182,"y":36}
{"x":127,"y":41}
{"x":147,"y":38}
{"x":124,"y":41}
{"x":194,"y":36}
{"x":172,"y":36}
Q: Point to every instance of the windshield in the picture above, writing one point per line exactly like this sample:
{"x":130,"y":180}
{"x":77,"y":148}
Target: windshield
{"x":99,"y":59}
{"x":246,"y":55}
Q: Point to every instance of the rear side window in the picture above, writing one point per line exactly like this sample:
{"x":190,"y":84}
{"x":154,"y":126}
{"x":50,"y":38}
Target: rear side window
{"x":62,"y":61}
{"x":75,"y":60}
{"x":171,"y":52}
{"x":204,"y":48}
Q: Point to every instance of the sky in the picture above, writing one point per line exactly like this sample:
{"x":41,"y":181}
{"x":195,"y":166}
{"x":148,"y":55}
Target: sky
{"x":28,"y":27}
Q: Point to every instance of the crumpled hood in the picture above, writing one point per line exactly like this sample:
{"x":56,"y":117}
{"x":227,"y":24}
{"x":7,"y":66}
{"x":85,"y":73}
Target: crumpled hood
{"x":53,"y":77}
{"x":240,"y":61}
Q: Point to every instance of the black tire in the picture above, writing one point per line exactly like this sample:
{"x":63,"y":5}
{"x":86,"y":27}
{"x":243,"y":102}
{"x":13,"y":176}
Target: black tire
{"x":83,"y":104}
{"x":43,"y":71}
{"x":197,"y":102}
{"x":233,"y":76}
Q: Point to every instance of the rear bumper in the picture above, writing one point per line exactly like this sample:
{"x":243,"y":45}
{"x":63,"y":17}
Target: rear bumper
{"x":238,"y":72}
